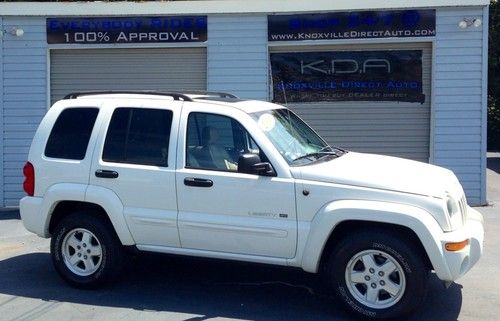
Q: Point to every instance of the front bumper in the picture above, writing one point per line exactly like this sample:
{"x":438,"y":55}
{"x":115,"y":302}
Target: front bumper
{"x":460,"y":262}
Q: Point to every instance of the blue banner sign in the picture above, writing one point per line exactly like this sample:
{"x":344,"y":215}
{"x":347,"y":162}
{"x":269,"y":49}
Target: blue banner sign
{"x":127,"y":30}
{"x":388,"y":75}
{"x":352,"y":25}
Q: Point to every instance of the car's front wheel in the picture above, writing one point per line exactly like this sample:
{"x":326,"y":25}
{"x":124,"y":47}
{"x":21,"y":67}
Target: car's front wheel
{"x":378,"y":275}
{"x":85,"y":250}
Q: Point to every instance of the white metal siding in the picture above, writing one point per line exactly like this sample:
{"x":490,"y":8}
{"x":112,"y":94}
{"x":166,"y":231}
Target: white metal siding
{"x":134,"y":69}
{"x":392,"y":128}
{"x":24,"y":97}
{"x":135,"y":8}
{"x":459,"y":105}
{"x":237,"y":55}
{"x":237,"y":62}
{"x":2,"y":134}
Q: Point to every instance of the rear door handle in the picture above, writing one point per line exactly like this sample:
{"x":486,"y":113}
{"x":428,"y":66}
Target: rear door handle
{"x":198,"y":182}
{"x":106,"y":174}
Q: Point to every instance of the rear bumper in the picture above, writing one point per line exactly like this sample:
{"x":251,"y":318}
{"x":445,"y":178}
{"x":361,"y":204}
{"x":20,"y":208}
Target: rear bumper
{"x":31,"y":215}
{"x":460,"y":262}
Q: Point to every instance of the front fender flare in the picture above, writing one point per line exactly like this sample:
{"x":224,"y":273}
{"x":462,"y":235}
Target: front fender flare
{"x":330,"y":216}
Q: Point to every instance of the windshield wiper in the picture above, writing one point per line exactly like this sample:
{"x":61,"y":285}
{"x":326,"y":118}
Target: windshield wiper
{"x":332,"y":148}
{"x":317,"y":154}
{"x":333,"y":151}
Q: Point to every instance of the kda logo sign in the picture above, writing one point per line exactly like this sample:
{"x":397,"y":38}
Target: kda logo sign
{"x":345,"y":66}
{"x":358,"y":75}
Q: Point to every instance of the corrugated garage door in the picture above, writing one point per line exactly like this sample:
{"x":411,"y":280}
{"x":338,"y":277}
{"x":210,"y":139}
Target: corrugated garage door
{"x":134,"y":69}
{"x":391,"y":128}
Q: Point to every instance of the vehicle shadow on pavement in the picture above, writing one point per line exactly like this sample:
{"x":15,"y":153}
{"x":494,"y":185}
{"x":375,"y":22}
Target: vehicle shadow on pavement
{"x":9,"y":214}
{"x":493,"y":163}
{"x":206,"y":288}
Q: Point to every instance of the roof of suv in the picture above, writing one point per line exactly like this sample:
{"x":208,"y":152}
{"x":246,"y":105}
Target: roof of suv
{"x":212,"y":98}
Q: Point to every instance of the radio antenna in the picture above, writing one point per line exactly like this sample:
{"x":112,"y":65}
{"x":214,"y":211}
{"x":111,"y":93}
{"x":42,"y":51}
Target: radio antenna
{"x":284,"y":92}
{"x":289,"y":118}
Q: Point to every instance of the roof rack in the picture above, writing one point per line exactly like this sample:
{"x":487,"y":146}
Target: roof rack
{"x":209,"y":93}
{"x":174,"y":95}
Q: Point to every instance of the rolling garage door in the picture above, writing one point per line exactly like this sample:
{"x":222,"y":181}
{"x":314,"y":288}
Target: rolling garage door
{"x":392,"y":128}
{"x":133,"y":69}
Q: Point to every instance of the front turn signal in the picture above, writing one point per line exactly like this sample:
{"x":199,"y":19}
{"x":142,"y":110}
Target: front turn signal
{"x":456,"y":246}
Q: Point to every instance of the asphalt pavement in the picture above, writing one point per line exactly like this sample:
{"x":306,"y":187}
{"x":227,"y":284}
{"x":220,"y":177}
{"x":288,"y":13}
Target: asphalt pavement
{"x":157,"y":287}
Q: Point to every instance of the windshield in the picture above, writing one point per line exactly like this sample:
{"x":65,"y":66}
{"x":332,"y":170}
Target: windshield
{"x":293,"y":138}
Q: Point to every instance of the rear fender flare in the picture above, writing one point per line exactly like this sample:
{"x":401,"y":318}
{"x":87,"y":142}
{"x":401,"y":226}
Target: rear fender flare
{"x":113,"y":206}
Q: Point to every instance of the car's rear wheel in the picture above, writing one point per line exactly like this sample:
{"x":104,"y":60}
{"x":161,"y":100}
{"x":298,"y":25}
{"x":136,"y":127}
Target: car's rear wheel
{"x":85,"y":250}
{"x":377,"y":275}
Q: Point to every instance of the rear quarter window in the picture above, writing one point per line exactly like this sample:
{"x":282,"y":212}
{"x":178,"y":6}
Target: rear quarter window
{"x":70,"y":135}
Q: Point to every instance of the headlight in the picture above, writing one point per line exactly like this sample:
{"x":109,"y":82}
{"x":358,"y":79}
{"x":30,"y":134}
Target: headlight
{"x":452,"y":206}
{"x":454,"y":212}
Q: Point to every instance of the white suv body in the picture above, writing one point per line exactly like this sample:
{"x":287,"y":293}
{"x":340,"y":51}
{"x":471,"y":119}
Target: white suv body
{"x":295,"y":211}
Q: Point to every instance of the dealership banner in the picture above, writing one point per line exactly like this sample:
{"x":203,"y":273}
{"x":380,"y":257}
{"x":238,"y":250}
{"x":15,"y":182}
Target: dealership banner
{"x":384,"y":75}
{"x":352,"y":25}
{"x":127,"y":30}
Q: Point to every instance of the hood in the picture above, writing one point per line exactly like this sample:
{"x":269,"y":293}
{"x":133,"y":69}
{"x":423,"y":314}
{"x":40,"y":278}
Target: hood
{"x":383,"y":172}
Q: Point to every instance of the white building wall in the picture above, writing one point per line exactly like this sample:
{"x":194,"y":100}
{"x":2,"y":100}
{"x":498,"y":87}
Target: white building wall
{"x":238,"y":46}
{"x":459,"y":139}
{"x":238,"y":63}
{"x":24,"y":98}
{"x":237,"y":55}
{"x":2,"y":134}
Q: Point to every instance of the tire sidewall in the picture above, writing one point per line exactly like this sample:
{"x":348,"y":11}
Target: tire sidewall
{"x":413,"y":269}
{"x":100,"y":232}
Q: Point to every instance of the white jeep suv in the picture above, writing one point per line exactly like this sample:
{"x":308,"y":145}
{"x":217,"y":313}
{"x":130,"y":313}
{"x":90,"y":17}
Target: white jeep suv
{"x":207,"y":174}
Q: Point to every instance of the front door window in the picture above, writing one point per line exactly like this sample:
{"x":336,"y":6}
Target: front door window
{"x":216,"y":142}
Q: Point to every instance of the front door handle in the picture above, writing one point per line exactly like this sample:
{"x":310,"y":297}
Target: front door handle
{"x":198,"y":182}
{"x":106,"y":174}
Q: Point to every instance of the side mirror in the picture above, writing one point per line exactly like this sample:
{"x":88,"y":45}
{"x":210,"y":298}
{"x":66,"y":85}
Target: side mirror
{"x":252,"y":164}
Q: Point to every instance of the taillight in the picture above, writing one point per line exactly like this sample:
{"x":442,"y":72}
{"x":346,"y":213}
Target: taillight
{"x":29,"y":179}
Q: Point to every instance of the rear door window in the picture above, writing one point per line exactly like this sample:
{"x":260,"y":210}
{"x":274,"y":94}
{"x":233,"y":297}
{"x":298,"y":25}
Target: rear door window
{"x":70,"y":135}
{"x":138,"y":136}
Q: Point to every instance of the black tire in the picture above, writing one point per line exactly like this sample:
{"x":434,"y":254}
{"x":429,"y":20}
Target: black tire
{"x":106,"y":267}
{"x":388,"y":245}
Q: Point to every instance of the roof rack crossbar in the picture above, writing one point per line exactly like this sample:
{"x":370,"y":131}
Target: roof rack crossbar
{"x":209,"y":93}
{"x":174,"y":95}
